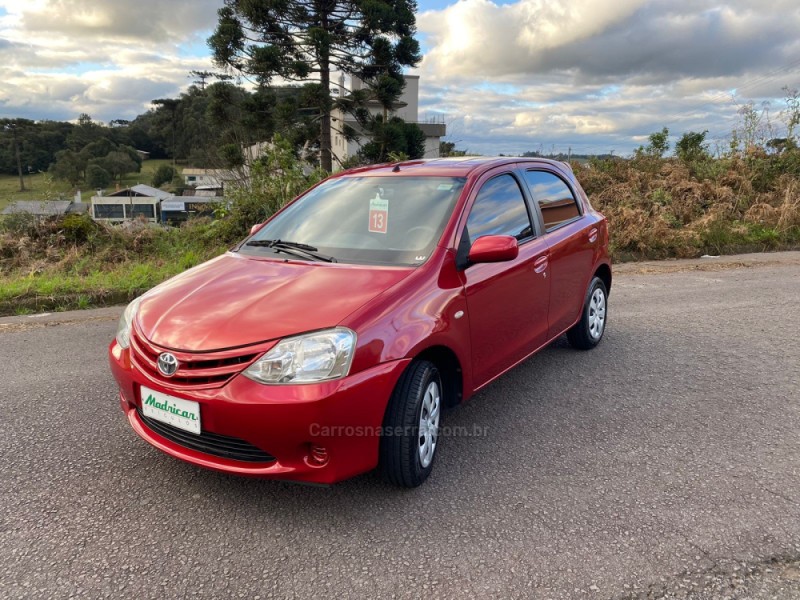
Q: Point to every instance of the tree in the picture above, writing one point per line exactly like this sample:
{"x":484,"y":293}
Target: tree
{"x":116,"y":164}
{"x":13,"y":127}
{"x":87,"y":131}
{"x":38,"y":143}
{"x":792,"y":114}
{"x":239,"y":119}
{"x":97,"y":177}
{"x":97,"y":149}
{"x":204,"y":76}
{"x":69,"y":166}
{"x":692,"y":146}
{"x":395,"y":138}
{"x":164,"y":174}
{"x":301,"y":39}
{"x":447,"y":149}
{"x":170,"y":105}
{"x":659,"y":143}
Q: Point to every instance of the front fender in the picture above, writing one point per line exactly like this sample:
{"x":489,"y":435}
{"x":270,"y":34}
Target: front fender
{"x":426,"y":310}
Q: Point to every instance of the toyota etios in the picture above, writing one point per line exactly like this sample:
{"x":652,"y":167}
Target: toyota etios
{"x":328,"y":342}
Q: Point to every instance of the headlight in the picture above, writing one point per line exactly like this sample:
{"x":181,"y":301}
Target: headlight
{"x":125,"y":321}
{"x":306,"y":358}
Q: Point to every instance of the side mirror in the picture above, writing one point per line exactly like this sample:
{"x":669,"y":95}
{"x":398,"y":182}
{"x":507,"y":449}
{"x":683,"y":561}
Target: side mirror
{"x":494,"y":248}
{"x":256,"y":228}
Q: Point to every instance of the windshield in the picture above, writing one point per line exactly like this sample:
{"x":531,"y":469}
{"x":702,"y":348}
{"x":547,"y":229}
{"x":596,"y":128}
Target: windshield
{"x":365,"y":220}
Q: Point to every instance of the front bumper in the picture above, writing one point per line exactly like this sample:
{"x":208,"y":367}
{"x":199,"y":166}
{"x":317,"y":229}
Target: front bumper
{"x":292,"y":423}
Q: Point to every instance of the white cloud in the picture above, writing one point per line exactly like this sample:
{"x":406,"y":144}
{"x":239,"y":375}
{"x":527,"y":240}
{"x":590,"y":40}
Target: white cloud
{"x":594,"y":75}
{"x":143,"y":20}
{"x":473,"y":35}
{"x":601,"y":75}
{"x":59,"y":58}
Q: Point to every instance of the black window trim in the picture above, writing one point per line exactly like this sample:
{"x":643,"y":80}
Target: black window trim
{"x":462,"y":249}
{"x":531,"y":220}
{"x":535,"y":205}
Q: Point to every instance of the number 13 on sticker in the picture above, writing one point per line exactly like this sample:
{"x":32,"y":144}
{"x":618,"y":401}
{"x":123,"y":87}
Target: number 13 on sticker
{"x":378,"y":215}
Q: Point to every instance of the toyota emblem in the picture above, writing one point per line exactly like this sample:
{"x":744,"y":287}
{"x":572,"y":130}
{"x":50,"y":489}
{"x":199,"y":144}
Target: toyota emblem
{"x":167,"y":364}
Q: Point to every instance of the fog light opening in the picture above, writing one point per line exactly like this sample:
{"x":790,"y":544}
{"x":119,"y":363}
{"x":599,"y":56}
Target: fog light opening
{"x":317,"y":456}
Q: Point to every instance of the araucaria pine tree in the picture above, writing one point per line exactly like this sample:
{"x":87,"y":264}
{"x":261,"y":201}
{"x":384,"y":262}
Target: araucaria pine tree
{"x":306,"y":40}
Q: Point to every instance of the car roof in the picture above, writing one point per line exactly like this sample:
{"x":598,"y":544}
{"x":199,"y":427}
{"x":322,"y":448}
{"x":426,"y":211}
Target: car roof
{"x":461,"y":166}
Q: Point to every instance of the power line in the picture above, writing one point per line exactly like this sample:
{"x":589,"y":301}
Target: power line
{"x":714,"y":101}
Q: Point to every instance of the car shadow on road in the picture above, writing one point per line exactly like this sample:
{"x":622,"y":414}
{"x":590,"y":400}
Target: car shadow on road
{"x":507,"y":433}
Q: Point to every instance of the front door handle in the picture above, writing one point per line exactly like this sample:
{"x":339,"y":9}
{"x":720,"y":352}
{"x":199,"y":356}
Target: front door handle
{"x":540,"y":264}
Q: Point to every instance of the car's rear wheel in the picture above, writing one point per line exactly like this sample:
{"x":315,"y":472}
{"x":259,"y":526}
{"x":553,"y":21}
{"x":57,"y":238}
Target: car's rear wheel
{"x":588,"y":332}
{"x":411,"y":426}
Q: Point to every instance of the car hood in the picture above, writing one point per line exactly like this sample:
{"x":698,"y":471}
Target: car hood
{"x":238,"y":300}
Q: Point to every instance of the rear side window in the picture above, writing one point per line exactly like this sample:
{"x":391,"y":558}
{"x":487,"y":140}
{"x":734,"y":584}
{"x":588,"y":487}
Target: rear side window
{"x":554,"y":197}
{"x":499,"y":209}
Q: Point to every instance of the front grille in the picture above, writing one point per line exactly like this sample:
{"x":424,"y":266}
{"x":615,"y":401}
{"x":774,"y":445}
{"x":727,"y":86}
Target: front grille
{"x":209,"y":443}
{"x":195,"y":370}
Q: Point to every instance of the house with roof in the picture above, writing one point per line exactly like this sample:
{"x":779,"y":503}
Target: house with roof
{"x":139,"y":201}
{"x":209,"y":179}
{"x":181,"y":208}
{"x":407,"y":108}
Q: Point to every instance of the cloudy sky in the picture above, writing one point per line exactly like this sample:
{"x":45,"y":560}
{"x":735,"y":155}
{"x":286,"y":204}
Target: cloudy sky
{"x":590,"y":75}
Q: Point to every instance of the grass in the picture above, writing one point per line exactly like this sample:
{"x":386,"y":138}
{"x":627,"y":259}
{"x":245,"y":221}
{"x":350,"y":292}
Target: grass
{"x":72,"y":262}
{"x":22,"y":294}
{"x":39,"y":187}
{"x":54,"y":290}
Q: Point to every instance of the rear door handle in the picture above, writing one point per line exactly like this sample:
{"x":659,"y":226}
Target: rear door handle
{"x":540,"y":264}
{"x":593,"y":235}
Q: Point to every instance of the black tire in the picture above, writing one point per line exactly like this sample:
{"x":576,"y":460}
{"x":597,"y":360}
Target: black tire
{"x":581,"y":335}
{"x":400,"y":461}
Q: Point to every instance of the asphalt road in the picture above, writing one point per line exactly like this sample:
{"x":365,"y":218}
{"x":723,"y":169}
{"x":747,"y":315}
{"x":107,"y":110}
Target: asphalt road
{"x":664,"y":463}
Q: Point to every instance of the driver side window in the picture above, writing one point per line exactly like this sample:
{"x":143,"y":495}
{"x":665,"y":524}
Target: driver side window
{"x":499,"y":209}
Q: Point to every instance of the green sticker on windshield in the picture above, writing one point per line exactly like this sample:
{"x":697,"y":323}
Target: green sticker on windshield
{"x":445,"y":187}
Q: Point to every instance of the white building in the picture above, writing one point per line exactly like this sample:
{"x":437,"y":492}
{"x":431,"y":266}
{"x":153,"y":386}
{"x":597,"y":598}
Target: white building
{"x":124,"y":205}
{"x":205,"y":177}
{"x":407,"y":108}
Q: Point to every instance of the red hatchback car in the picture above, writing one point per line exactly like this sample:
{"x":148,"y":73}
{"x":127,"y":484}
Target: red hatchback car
{"x":327,"y":343}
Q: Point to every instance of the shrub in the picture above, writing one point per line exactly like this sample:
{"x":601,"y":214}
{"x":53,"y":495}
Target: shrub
{"x":275,"y":179}
{"x":660,"y":208}
{"x":692,"y":147}
{"x":97,"y":177}
{"x":77,"y":228}
{"x":163,"y":174}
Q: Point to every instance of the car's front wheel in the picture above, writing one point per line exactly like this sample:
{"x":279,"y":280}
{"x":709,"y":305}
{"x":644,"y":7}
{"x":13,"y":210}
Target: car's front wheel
{"x":411,"y":426}
{"x":588,"y":332}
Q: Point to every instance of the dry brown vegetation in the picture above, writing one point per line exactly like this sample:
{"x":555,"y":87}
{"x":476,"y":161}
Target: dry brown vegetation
{"x":664,"y":208}
{"x":657,"y":208}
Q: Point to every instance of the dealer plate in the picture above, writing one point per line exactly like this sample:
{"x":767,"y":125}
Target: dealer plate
{"x":180,"y":413}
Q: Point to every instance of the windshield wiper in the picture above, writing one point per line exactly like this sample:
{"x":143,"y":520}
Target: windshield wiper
{"x":295,"y":248}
